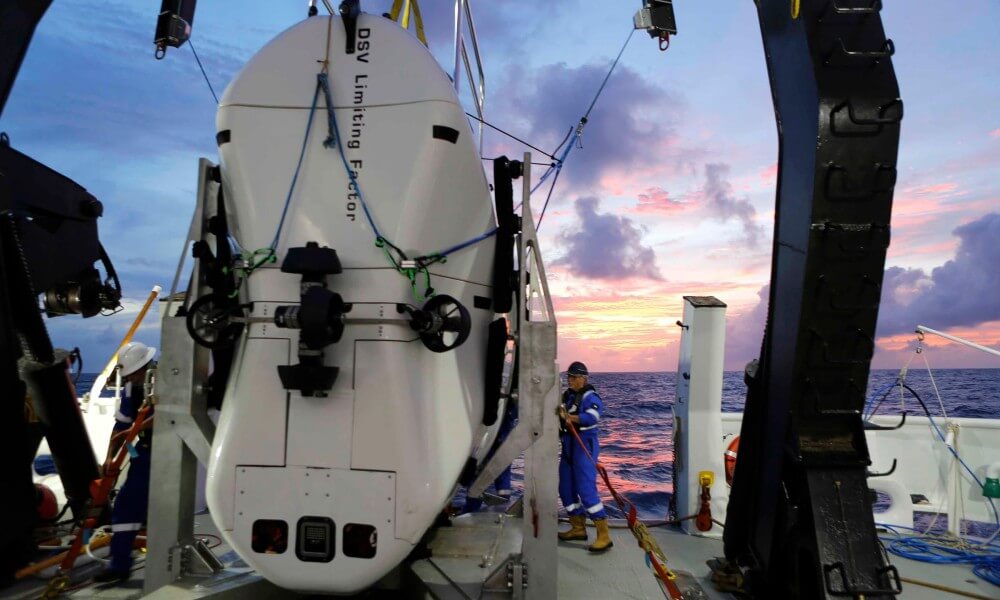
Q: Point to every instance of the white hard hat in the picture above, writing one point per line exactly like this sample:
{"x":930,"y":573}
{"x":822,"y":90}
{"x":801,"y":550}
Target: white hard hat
{"x":135,"y":356}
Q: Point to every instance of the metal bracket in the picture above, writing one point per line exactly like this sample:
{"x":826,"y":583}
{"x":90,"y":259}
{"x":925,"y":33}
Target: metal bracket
{"x":510,"y":577}
{"x":891,"y":470}
{"x":873,"y":427}
{"x":193,"y":558}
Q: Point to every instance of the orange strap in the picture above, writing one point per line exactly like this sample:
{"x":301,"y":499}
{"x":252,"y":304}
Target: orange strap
{"x":101,"y":488}
{"x":637,"y":527}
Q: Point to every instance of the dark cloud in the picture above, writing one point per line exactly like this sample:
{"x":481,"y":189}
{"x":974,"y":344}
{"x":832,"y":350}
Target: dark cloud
{"x":501,"y":25}
{"x":605,"y":246}
{"x":724,"y":205}
{"x":963,"y":291}
{"x":745,"y":333}
{"x":105,"y":91}
{"x":627,"y":131}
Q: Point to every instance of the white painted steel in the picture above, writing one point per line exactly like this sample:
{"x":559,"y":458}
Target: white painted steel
{"x":924,"y":466}
{"x":958,"y":340}
{"x":697,"y":411}
{"x":398,"y":411}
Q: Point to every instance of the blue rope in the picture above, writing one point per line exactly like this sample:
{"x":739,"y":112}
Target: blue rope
{"x":558,"y":165}
{"x":466,"y":243}
{"x":335,"y":135}
{"x":941,"y":550}
{"x":996,"y":515}
{"x":985,"y":560}
{"x":331,"y":117}
{"x":298,"y":167}
{"x":867,"y":414}
{"x":331,"y":123}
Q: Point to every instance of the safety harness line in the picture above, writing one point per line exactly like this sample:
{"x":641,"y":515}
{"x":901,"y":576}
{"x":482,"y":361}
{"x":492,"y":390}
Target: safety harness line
{"x":100,"y":489}
{"x":654,"y":554}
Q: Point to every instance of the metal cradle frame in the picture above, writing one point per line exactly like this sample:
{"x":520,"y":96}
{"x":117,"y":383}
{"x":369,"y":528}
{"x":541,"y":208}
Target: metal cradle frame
{"x":799,"y":512}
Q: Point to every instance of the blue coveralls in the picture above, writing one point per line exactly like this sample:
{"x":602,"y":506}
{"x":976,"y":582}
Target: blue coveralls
{"x":577,"y":474}
{"x":501,"y":484}
{"x":132,"y":502}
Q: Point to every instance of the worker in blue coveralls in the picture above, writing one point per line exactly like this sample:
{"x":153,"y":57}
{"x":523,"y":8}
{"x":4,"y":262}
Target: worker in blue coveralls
{"x":582,"y":407}
{"x":131,"y":504}
{"x":502,"y":484}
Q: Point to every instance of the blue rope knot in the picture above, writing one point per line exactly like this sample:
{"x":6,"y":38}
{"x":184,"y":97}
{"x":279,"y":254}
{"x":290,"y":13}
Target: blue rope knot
{"x":331,"y":138}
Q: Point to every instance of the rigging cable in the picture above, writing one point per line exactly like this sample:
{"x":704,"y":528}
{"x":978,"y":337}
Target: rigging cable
{"x":984,"y":557}
{"x":576,"y":134}
{"x":510,"y":135}
{"x":204,"y":74}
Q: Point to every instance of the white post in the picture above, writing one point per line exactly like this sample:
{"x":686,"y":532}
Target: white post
{"x":954,"y":504}
{"x":698,"y":411}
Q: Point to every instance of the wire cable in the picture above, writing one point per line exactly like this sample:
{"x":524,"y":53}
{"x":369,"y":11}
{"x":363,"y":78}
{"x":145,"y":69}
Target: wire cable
{"x":204,"y":74}
{"x":576,"y":135}
{"x":608,"y":76}
{"x":930,"y":417}
{"x":510,"y":135}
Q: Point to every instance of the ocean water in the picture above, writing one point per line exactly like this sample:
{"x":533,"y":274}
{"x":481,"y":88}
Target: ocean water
{"x":637,"y":437}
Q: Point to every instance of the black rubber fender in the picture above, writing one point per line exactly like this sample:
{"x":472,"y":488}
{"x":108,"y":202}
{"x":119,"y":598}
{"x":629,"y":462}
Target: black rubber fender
{"x":503,"y":249}
{"x":496,"y":345}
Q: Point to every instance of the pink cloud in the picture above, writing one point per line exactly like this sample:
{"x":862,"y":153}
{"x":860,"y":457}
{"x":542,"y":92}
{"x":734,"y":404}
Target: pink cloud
{"x":657,"y":201}
{"x":630,"y":326}
{"x":916,"y":206}
{"x":893,"y":351}
{"x":769,"y":174}
{"x":934,"y":189}
{"x":995,"y":133}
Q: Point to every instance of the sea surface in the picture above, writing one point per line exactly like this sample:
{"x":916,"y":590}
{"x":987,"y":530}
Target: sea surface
{"x":637,"y":437}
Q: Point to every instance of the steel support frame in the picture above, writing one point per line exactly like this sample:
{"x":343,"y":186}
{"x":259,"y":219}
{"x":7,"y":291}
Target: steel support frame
{"x":182,"y":432}
{"x":532,"y":573}
{"x":800,"y":512}
{"x":176,"y":562}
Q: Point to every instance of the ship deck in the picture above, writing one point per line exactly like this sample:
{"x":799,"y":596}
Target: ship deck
{"x":463,"y":555}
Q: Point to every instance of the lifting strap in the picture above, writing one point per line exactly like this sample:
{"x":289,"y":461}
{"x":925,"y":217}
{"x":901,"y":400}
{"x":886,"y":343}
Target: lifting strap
{"x":100,"y":489}
{"x":654,"y":554}
{"x":401,"y":13}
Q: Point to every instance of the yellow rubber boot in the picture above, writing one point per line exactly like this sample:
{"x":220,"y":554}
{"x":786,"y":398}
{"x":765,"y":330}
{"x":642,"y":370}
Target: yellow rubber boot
{"x":603,"y":541}
{"x":578,"y":529}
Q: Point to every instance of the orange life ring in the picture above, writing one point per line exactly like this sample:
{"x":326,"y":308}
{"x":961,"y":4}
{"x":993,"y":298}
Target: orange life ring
{"x":730,"y":457}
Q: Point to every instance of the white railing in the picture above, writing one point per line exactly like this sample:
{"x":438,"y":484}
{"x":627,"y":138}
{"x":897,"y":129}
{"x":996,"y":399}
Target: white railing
{"x":922,"y":330}
{"x":911,"y":464}
{"x":465,"y":28}
{"x":926,"y":471}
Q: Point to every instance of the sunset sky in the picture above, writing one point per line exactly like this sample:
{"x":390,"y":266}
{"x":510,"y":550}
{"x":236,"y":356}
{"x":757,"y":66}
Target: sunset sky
{"x":671,"y":194}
